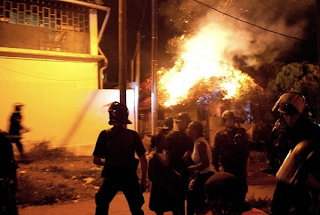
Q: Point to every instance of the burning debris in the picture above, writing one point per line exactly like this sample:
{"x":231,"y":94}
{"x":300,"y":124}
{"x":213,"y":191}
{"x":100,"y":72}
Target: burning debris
{"x":201,"y":70}
{"x":214,"y":46}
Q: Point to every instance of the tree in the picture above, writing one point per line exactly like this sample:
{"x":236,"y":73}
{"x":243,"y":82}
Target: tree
{"x":299,"y":77}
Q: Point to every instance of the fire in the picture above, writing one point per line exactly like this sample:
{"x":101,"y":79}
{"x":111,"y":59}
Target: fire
{"x":203,"y":65}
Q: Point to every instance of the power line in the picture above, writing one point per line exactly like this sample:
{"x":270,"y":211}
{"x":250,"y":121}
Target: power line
{"x":265,"y":29}
{"x":275,"y":11}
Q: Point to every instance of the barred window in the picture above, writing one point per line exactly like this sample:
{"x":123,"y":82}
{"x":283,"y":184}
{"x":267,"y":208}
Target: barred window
{"x":51,"y":15}
{"x":44,"y":25}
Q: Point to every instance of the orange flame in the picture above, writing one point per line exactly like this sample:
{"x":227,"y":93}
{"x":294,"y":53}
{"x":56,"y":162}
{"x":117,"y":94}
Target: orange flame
{"x":203,"y":62}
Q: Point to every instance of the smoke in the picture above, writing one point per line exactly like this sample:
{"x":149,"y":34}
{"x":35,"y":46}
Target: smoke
{"x":285,"y":27}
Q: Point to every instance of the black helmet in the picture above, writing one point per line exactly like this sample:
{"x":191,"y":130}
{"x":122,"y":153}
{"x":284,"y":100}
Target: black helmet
{"x":168,"y":122}
{"x":291,"y":103}
{"x":17,"y":106}
{"x":183,"y":116}
{"x":228,"y":114}
{"x":118,"y":114}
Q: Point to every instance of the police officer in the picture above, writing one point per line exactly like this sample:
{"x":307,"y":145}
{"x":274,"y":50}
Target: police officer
{"x":180,"y":147}
{"x":168,"y":125}
{"x":294,"y":127}
{"x":230,"y":152}
{"x":8,"y":177}
{"x":16,"y":128}
{"x":115,"y":150}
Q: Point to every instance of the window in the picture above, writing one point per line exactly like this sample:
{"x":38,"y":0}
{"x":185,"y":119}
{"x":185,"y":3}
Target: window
{"x":52,"y":15}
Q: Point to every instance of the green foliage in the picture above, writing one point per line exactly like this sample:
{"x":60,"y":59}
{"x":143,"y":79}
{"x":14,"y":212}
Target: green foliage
{"x":300,"y":77}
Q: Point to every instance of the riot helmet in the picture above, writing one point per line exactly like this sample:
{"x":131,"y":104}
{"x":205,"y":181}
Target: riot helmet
{"x":18,"y":106}
{"x":168,"y":123}
{"x":118,"y":114}
{"x":183,"y":116}
{"x":228,"y":114}
{"x":291,"y":103}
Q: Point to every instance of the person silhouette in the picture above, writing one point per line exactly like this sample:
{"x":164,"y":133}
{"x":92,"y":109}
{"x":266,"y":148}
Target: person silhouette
{"x":16,"y":128}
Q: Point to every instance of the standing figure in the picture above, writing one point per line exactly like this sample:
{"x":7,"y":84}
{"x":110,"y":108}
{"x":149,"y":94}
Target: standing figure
{"x":167,"y":128}
{"x":200,"y":171}
{"x":168,"y":125}
{"x":8,"y":177}
{"x":180,"y":146}
{"x":115,"y":150}
{"x":297,"y":128}
{"x":230,"y":151}
{"x":16,"y":128}
{"x":224,"y":196}
{"x":166,"y":182}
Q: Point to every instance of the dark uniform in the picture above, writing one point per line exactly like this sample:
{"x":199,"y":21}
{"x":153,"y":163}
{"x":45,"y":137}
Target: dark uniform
{"x":14,"y":130}
{"x":231,"y":152}
{"x":285,"y":196}
{"x":178,"y":144}
{"x":8,"y":178}
{"x":294,"y":128}
{"x":118,"y":146}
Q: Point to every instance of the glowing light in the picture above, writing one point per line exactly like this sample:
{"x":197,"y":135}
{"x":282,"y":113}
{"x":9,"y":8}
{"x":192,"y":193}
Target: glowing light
{"x":204,"y":67}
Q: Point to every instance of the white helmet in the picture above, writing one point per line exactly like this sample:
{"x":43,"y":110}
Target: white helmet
{"x":291,"y":102}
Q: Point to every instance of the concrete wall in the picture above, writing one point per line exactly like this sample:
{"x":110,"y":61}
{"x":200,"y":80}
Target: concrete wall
{"x":62,"y":103}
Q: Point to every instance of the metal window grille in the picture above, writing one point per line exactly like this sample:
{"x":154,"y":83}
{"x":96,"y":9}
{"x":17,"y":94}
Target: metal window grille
{"x":44,"y":25}
{"x":52,"y":15}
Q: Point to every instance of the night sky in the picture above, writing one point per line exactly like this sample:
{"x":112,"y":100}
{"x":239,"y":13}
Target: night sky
{"x":292,"y":18}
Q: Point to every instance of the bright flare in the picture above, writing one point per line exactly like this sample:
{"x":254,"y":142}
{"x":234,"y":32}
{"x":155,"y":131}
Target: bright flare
{"x":203,"y":62}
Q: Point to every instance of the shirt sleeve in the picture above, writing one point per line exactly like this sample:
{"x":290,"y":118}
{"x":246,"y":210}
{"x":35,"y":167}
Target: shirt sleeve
{"x":138,"y":144}
{"x":99,"y":150}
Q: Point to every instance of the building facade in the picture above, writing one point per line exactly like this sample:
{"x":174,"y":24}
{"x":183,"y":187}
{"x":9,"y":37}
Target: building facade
{"x":51,"y":62}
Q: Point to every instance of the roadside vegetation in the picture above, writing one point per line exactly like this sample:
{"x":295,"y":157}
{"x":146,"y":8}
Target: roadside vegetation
{"x":47,"y":181}
{"x":53,"y":175}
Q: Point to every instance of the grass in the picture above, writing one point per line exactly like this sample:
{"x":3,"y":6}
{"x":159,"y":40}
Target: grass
{"x":262,"y":204}
{"x":43,"y":151}
{"x":32,"y":192}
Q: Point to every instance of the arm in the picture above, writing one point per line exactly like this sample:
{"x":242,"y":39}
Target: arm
{"x":99,"y":150}
{"x":144,"y":166}
{"x":98,"y":161}
{"x":202,"y":149}
{"x":187,"y":156}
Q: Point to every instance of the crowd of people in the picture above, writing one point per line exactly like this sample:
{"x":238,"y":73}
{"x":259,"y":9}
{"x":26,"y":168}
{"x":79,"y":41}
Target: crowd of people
{"x":187,"y":175}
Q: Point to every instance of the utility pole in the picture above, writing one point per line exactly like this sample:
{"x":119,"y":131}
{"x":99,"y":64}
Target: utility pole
{"x":123,"y":49}
{"x":318,"y":27}
{"x":137,"y":88}
{"x":154,"y":65}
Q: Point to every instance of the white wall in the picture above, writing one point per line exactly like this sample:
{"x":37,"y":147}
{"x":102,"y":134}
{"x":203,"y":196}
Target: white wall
{"x":65,"y":108}
{"x":67,"y":117}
